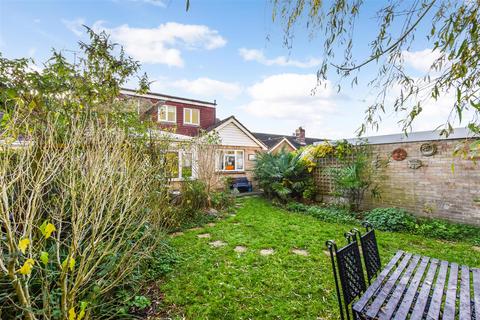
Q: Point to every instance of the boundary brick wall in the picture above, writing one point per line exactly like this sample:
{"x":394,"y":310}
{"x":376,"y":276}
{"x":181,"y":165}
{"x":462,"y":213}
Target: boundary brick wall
{"x":433,"y":190}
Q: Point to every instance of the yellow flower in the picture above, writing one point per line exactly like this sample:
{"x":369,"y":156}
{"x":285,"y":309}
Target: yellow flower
{"x":27,"y":267}
{"x":23,"y":245}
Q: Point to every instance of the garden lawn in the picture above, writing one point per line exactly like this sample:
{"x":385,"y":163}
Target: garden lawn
{"x":219,"y":283}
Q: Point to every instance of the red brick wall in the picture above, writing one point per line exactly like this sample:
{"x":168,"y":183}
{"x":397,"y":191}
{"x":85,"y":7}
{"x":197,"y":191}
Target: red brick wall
{"x":207,"y":118}
{"x":207,"y":115}
{"x":433,"y":190}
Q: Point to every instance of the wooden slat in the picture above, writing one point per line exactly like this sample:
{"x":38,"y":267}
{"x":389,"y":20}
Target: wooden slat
{"x":404,"y":308}
{"x":476,"y":292}
{"x":387,"y":312}
{"x":362,"y":302}
{"x":436,"y":302}
{"x":387,"y":287}
{"x":449,"y":309}
{"x":465,"y":312}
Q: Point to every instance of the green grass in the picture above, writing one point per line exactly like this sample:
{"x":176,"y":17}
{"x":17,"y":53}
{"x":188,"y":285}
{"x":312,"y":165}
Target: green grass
{"x":218,"y":283}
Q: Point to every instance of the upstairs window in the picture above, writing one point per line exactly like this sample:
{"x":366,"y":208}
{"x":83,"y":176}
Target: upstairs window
{"x":191,"y":116}
{"x":231,"y":160}
{"x":167,"y":114}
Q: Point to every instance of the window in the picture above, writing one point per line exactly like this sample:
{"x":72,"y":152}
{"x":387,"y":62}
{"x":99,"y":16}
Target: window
{"x":231,"y":160}
{"x":171,"y":164}
{"x":191,"y":116}
{"x":178,"y":165}
{"x":167,"y":114}
{"x":186,"y":168}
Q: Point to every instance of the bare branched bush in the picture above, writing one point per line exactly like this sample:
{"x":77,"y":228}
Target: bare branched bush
{"x":76,"y":219}
{"x":206,"y":146}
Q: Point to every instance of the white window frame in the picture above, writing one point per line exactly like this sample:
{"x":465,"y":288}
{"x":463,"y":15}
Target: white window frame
{"x":191,"y":116}
{"x":181,"y":154}
{"x":166,"y":107}
{"x":221,"y":164}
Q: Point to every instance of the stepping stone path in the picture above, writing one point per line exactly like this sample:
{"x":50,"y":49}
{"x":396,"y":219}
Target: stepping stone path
{"x":211,"y":224}
{"x":204,"y":235}
{"x":300,"y":252}
{"x":176,"y":234}
{"x":267,"y":252}
{"x":240,"y":249}
{"x":476,"y":248}
{"x":194,"y":229}
{"x":218,"y":243}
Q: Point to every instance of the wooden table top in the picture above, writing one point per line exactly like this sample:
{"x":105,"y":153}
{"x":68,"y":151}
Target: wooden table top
{"x":418,"y":287}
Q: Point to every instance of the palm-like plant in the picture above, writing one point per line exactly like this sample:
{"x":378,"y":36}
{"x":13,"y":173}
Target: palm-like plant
{"x":283,"y":175}
{"x":352,"y":181}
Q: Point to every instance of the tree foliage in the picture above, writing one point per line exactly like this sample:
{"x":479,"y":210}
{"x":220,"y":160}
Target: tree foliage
{"x":449,"y":27}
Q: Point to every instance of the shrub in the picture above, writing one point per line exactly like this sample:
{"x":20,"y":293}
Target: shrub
{"x":84,"y":200}
{"x":352,"y":180}
{"x":283,"y":176}
{"x":332,"y":214}
{"x":222,"y":200}
{"x":297,"y":207}
{"x":446,"y":230}
{"x":193,"y":197}
{"x":391,"y":219}
{"x":327,"y":214}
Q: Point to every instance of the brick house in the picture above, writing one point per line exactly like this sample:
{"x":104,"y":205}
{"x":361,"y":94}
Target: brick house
{"x":182,"y":115}
{"x":185,"y":118}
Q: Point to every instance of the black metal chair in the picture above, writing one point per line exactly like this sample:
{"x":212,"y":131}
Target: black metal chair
{"x":371,"y":256}
{"x":347,"y":266}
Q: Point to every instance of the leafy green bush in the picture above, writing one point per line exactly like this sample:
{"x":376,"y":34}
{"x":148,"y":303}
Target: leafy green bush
{"x":391,"y":219}
{"x":332,"y":214}
{"x":283,"y":176}
{"x":222,"y":200}
{"x":193,"y":197}
{"x":446,"y":230}
{"x":352,"y":180}
{"x":327,"y":214}
{"x":297,"y":207}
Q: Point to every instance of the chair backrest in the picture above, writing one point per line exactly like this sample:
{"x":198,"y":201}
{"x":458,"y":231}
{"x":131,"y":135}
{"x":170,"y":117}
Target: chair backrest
{"x":370,"y":253}
{"x":348,"y":262}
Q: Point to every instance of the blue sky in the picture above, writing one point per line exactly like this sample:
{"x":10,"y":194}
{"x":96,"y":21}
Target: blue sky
{"x":227,"y":50}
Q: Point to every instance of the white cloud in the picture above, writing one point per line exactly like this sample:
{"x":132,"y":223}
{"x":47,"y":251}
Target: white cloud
{"x":258,"y":56}
{"x":75,"y":25}
{"x":204,"y":88}
{"x":288,"y":96}
{"x":209,"y":87}
{"x":420,"y":60}
{"x":163,"y":44}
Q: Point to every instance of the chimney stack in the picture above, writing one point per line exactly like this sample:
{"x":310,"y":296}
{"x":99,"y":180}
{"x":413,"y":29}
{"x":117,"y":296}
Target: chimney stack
{"x":300,"y":135}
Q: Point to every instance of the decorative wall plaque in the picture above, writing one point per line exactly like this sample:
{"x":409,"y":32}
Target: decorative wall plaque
{"x":399,"y":154}
{"x":428,"y":149}
{"x":414,"y":163}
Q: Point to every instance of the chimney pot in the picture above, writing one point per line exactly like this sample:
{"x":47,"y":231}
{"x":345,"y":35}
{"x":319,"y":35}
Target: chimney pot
{"x":300,"y":135}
